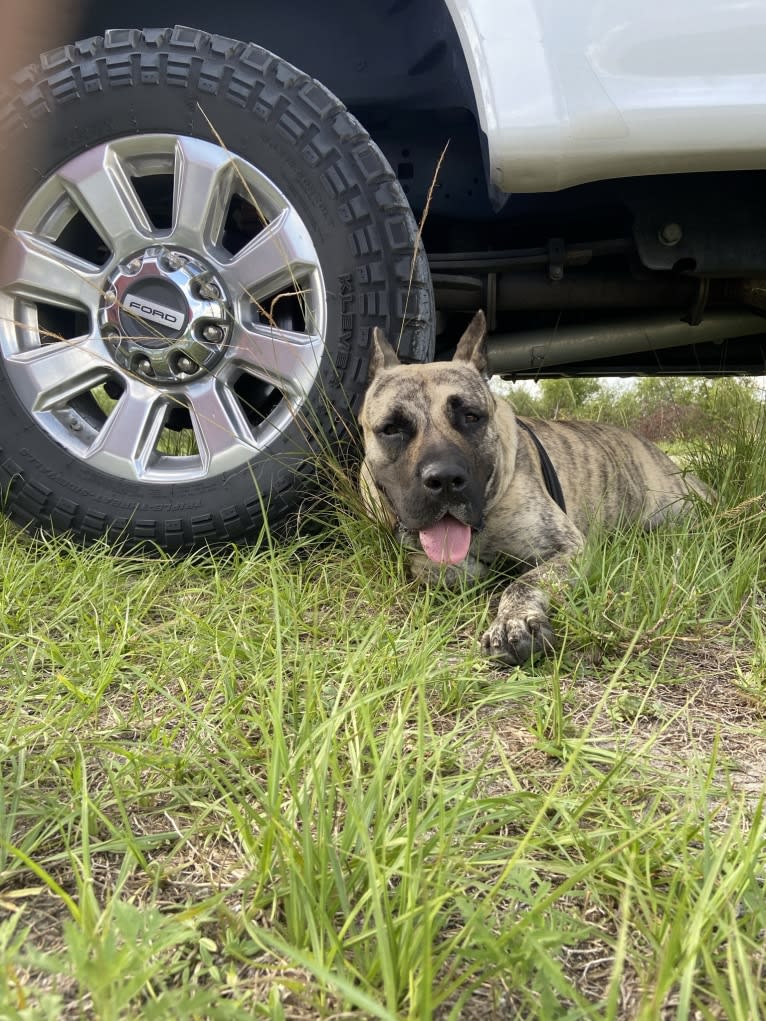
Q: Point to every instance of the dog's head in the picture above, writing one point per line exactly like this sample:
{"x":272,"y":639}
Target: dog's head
{"x":430,"y":442}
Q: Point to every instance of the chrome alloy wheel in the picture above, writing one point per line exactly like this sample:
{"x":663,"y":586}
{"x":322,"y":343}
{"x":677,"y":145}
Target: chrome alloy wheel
{"x":163,"y":312}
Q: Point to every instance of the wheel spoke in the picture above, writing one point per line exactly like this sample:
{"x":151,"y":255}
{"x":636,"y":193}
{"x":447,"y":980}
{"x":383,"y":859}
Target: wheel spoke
{"x":274,"y":259}
{"x":221,"y":429}
{"x":287,"y":360}
{"x":50,"y":376}
{"x":31,"y":267}
{"x":100,"y":186}
{"x":125,"y":444}
{"x":202,"y":192}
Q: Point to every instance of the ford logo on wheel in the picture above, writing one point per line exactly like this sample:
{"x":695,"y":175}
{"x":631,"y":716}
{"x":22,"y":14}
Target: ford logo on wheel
{"x":154,"y":312}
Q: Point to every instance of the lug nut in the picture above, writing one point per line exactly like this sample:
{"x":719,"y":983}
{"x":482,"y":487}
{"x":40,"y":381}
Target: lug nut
{"x":110,"y":297}
{"x":209,"y":291}
{"x":185,"y":364}
{"x":174,"y":260}
{"x":670,"y":234}
{"x":134,"y":266}
{"x":144,"y":366}
{"x":212,"y":334}
{"x":110,"y":334}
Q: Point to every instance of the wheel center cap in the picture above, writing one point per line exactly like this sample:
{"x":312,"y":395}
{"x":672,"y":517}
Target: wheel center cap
{"x":164,"y":316}
{"x":150,"y":307}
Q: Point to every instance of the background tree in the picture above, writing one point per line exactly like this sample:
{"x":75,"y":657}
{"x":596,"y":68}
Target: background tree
{"x":567,"y":398}
{"x":665,"y":409}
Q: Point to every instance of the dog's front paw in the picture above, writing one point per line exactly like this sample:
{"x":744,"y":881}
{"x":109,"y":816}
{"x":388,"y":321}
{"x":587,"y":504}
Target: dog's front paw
{"x":515,"y":640}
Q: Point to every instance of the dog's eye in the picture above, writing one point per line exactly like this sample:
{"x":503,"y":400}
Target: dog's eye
{"x":472,"y":417}
{"x":391,"y":429}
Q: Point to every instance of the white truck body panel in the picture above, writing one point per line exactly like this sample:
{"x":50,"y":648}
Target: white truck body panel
{"x":570,"y":91}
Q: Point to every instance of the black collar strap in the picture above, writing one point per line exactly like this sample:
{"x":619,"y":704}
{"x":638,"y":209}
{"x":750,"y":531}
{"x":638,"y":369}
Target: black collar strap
{"x":550,"y":475}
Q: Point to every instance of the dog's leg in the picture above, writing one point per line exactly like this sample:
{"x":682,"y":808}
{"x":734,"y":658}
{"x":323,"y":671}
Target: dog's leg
{"x":521,"y":629}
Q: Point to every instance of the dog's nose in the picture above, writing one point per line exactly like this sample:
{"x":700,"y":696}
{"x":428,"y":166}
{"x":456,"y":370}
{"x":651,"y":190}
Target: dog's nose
{"x":443,"y":478}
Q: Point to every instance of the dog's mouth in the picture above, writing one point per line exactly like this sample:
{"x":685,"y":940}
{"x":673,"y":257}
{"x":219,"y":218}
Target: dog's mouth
{"x":446,"y":541}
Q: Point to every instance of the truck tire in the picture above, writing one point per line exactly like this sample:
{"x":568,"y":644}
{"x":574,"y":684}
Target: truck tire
{"x":188,"y":285}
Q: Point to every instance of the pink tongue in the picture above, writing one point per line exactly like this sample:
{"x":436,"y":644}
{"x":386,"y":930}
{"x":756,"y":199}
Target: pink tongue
{"x":447,"y":541}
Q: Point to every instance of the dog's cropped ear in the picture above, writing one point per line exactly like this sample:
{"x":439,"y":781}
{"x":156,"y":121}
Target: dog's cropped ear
{"x":383,"y":355}
{"x":473,"y":345}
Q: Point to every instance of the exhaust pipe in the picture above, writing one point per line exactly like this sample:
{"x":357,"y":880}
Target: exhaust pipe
{"x":535,"y":350}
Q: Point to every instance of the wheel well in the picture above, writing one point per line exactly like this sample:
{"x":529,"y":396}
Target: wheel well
{"x":398,"y":66}
{"x":406,"y":50}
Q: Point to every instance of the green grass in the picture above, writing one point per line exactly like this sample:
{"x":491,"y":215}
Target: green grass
{"x":282,"y":783}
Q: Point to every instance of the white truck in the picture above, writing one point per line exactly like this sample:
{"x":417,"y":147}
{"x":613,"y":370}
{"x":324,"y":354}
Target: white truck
{"x":200,"y":232}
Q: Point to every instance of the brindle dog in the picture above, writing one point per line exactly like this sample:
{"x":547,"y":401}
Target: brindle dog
{"x":448,"y":467}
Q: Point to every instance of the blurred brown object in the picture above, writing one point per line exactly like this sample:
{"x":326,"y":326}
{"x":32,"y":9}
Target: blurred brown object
{"x":27,"y":28}
{"x":30,"y":26}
